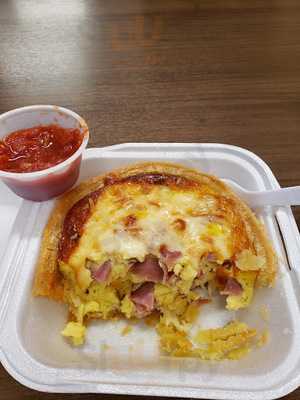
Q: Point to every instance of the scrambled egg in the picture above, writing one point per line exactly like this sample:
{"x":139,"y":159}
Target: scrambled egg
{"x":76,"y":331}
{"x":126,"y":330}
{"x":230,"y":342}
{"x":247,"y":281}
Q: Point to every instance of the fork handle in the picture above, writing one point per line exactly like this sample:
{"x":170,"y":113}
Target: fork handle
{"x":289,"y":196}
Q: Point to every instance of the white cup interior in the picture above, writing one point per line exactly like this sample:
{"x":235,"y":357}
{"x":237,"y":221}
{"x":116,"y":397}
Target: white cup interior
{"x":28,"y":117}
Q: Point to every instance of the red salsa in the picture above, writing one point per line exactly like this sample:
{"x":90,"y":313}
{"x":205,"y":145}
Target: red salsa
{"x":38,"y":148}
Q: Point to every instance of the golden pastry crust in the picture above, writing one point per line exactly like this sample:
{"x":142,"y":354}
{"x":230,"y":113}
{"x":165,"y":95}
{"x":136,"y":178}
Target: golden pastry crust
{"x":48,"y":280}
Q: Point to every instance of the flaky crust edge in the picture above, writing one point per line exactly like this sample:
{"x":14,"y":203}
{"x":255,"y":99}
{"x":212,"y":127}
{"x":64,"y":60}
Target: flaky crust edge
{"x":48,"y":281}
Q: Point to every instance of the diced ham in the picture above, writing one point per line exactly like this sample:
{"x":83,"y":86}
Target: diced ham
{"x":222,"y":276}
{"x":171,"y":278}
{"x":227,"y":264}
{"x":200,"y":274}
{"x":101,"y":273}
{"x":149,"y":269}
{"x":169,"y":257}
{"x":143,"y":299}
{"x":211,"y":257}
{"x":232,"y":287}
{"x":166,"y":273}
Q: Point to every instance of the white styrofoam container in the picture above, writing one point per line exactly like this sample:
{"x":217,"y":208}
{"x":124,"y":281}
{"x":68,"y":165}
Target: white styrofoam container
{"x":34,"y":352}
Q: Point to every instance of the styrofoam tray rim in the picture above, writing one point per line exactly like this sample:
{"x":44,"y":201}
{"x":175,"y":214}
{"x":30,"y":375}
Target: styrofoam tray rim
{"x":147,"y":390}
{"x":152,"y":389}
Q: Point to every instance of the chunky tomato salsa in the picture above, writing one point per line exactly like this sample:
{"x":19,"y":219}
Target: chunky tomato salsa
{"x":38,"y":148}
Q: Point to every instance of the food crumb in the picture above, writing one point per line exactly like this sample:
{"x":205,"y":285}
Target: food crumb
{"x":264,"y":313}
{"x":126,"y":330}
{"x":263,"y":338}
{"x":105,"y":347}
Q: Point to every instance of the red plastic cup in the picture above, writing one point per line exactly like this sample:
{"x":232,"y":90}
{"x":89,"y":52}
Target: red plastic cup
{"x":47,"y":183}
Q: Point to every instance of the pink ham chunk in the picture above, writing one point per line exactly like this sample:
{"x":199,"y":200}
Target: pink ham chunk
{"x":143,"y":299}
{"x":148,"y":270}
{"x":169,"y":257}
{"x":200,"y":274}
{"x":102,"y":272}
{"x":232,"y":287}
{"x":211,"y":257}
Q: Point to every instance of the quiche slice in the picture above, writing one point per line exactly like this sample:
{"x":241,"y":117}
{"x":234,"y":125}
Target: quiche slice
{"x":154,"y":239}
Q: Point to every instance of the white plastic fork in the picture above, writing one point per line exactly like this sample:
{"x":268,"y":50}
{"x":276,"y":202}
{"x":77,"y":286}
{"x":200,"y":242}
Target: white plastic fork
{"x":289,"y":196}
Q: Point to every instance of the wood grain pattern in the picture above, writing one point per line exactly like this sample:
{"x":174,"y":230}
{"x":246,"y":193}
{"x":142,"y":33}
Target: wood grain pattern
{"x":172,"y":70}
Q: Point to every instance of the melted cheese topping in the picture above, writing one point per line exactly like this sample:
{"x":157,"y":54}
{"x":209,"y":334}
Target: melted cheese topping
{"x":157,"y":216}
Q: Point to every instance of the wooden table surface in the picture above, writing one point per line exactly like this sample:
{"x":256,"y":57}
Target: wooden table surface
{"x":141,"y":70}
